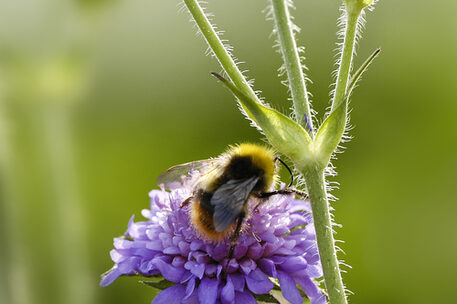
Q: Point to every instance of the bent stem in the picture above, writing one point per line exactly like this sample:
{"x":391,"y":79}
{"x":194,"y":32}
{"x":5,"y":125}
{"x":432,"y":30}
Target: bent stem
{"x":218,"y":48}
{"x":292,"y":62}
{"x":315,"y":182}
{"x":350,"y":33}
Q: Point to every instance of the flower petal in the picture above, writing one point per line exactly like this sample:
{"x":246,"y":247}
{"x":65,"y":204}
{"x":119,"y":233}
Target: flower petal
{"x":210,"y":269}
{"x":219,"y":252}
{"x":190,"y":287}
{"x":178,"y":261}
{"x":193,"y":299}
{"x":289,"y":288}
{"x":172,"y":250}
{"x":269,"y":237}
{"x":109,"y":277}
{"x":255,"y":251}
{"x":244,"y":298}
{"x":258,"y":282}
{"x":299,"y":205}
{"x":312,"y":271}
{"x":129,"y":225}
{"x":168,"y":271}
{"x":154,"y":244}
{"x":268,"y":266}
{"x":129,"y":265}
{"x":207,"y":291}
{"x":195,"y":268}
{"x":228,"y":292}
{"x":248,"y":265}
{"x":313,"y":292}
{"x":232,"y":266}
{"x":298,"y":220}
{"x":237,"y":280}
{"x":171,"y":295}
{"x":184,"y":247}
{"x":240,"y":251}
{"x":196,"y":245}
{"x":293,"y":264}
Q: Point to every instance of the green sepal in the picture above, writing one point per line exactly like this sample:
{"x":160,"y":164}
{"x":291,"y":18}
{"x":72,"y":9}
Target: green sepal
{"x":158,"y":284}
{"x":266,"y":298}
{"x":330,"y":133}
{"x":282,"y":132}
{"x":355,"y":78}
{"x":332,"y":129}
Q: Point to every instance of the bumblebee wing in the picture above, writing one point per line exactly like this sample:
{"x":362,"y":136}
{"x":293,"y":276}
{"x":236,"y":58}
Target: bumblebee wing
{"x":229,"y":199}
{"x":175,"y":173}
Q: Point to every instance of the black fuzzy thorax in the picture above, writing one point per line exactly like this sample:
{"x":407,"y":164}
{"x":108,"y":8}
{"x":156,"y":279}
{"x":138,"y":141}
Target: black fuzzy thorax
{"x":238,"y":168}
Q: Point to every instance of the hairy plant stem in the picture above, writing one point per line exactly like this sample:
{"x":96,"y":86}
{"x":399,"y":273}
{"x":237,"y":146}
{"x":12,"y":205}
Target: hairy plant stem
{"x":314,"y":175}
{"x":219,"y":49}
{"x":315,"y":183}
{"x":292,"y":63}
{"x":350,"y":33}
{"x":315,"y":178}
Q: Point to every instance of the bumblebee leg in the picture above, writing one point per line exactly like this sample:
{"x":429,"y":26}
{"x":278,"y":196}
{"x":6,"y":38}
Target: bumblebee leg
{"x":186,"y":202}
{"x":300,"y":193}
{"x":266,"y":195}
{"x":234,"y":238}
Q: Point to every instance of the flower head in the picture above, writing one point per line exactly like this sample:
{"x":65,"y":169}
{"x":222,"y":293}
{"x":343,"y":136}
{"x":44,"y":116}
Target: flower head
{"x":277,"y":241}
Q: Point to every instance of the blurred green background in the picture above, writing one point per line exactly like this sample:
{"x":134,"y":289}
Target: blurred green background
{"x":98,"y":97}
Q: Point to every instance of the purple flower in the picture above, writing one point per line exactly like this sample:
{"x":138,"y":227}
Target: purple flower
{"x":277,"y":241}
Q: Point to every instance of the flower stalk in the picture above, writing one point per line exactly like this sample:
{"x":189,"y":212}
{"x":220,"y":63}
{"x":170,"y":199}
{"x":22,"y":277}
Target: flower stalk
{"x":350,"y":33}
{"x":291,"y":56}
{"x":316,"y":186}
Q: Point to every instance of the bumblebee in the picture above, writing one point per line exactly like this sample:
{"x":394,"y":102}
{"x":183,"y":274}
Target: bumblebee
{"x":219,"y":201}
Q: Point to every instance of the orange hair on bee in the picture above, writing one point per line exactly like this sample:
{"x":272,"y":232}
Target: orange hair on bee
{"x":203,"y":224}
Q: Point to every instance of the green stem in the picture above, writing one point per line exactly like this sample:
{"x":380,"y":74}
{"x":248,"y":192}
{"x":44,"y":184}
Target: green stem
{"x":315,"y":182}
{"x":292,"y":62}
{"x":346,"y":55}
{"x":218,"y":48}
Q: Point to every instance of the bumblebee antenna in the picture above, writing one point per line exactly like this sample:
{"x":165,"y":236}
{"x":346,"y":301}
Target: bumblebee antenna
{"x":288,"y":169}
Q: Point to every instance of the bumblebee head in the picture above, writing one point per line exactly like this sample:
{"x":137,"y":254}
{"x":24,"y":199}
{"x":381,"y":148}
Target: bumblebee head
{"x":248,"y":159}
